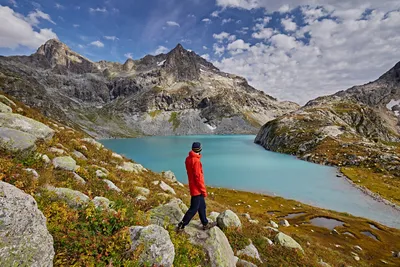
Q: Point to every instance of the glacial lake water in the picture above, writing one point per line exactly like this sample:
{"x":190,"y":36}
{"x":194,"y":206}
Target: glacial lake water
{"x":234,"y":161}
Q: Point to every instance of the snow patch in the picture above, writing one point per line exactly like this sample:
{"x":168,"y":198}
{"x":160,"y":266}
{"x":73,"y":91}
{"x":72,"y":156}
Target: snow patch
{"x":212,"y":128}
{"x":160,"y":63}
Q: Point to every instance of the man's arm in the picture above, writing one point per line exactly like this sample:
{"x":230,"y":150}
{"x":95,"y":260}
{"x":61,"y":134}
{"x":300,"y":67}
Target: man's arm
{"x":199,"y":178}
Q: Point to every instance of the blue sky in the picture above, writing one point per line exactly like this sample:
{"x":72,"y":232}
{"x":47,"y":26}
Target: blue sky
{"x":293,"y":50}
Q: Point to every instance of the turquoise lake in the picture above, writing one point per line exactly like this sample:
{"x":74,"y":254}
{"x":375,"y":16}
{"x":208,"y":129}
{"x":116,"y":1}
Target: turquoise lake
{"x":234,"y":161}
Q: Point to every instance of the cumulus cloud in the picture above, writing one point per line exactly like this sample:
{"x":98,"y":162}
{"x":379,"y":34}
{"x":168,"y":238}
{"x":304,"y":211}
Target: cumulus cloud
{"x":160,"y":50}
{"x":219,"y":49}
{"x":224,"y":36}
{"x":289,"y":25}
{"x":128,"y":55}
{"x":225,"y":21}
{"x":173,"y":24}
{"x":206,"y":57}
{"x":16,"y":30}
{"x":264,"y":33}
{"x":205,"y":47}
{"x":97,"y":43}
{"x":112,"y":38}
{"x":341,"y":51}
{"x":206,"y":20}
{"x":13,"y":3}
{"x":97,"y":9}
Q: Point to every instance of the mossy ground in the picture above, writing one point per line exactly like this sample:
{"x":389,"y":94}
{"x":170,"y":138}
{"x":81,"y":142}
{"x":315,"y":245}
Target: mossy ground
{"x":90,"y":237}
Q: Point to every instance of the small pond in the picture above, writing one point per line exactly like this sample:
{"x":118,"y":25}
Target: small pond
{"x":326,"y":222}
{"x":294,"y":215}
{"x":369,"y":234}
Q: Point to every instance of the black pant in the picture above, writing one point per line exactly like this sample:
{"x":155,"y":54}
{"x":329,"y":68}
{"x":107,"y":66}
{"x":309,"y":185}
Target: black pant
{"x":197,"y":204}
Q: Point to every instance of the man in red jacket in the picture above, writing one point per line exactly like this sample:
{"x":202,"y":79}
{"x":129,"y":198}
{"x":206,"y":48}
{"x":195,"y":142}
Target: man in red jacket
{"x":197,"y":187}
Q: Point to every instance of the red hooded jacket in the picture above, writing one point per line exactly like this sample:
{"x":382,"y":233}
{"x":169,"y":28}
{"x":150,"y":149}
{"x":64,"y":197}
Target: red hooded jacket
{"x":194,"y":170}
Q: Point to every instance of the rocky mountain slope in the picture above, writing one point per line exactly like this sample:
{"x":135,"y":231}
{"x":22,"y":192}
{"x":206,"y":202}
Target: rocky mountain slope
{"x":359,"y":127}
{"x":168,"y":94}
{"x":102,"y":209}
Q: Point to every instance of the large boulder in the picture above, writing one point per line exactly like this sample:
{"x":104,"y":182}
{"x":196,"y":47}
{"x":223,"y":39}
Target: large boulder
{"x":157,"y":248}
{"x":4,"y":108}
{"x":287,"y":241}
{"x":214,"y":242}
{"x":65,"y":163}
{"x":250,"y":251}
{"x":24,"y":238}
{"x":169,"y":175}
{"x":170,"y":213}
{"x":72,"y":197}
{"x":16,"y":142}
{"x":27,"y":125}
{"x":131,"y":167}
{"x":167,"y":188}
{"x":228,"y":219}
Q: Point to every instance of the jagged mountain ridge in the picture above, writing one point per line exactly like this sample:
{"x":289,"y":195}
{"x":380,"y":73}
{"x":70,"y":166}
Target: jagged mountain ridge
{"x":174,"y":93}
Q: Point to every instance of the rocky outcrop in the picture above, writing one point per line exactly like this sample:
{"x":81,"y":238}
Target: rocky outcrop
{"x":24,"y":238}
{"x":65,"y":163}
{"x":16,"y":142}
{"x":4,"y":108}
{"x":72,"y":197}
{"x":131,"y":167}
{"x":168,"y":94}
{"x":102,"y":203}
{"x":170,"y":213}
{"x":111,"y":185}
{"x":286,"y":241}
{"x":250,"y":251}
{"x":157,"y":248}
{"x":228,"y":219}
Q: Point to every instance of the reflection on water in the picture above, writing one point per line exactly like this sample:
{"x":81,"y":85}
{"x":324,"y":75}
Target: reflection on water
{"x":326,"y":222}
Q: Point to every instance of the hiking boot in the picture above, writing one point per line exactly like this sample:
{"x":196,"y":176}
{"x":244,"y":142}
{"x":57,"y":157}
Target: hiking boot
{"x":208,"y":226}
{"x":180,"y":227}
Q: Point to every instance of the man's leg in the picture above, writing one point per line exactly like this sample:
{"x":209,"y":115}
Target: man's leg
{"x":194,"y":207}
{"x":202,"y":211}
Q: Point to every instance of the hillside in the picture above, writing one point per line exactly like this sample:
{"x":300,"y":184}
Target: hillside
{"x":357,"y":130}
{"x":105,"y":210}
{"x":168,"y":94}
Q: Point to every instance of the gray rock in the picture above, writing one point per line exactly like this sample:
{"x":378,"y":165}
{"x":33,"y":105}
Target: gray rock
{"x":141,"y":198}
{"x":243,"y":263}
{"x":142,"y":190}
{"x":16,"y":142}
{"x":4,"y":108}
{"x":101,"y":174}
{"x":102,"y":203}
{"x":284,"y":223}
{"x":65,"y":163}
{"x":158,"y":249}
{"x":111,"y":185}
{"x":27,"y":125}
{"x":169,"y":175}
{"x":214,"y":243}
{"x":274,"y":224}
{"x":79,"y":155}
{"x":167,"y":188}
{"x":213,"y":216}
{"x":79,"y":179}
{"x":7,"y":101}
{"x":25,"y":240}
{"x":117,"y":156}
{"x":250,"y":251}
{"x":254,"y":221}
{"x":358,"y":248}
{"x":170,"y":213}
{"x":323,"y":264}
{"x":396,"y":254}
{"x":271,"y":229}
{"x":56,"y":150}
{"x":269,"y":241}
{"x":228,"y":219}
{"x":131,"y":167}
{"x":92,"y":142}
{"x":33,"y":172}
{"x":46,"y":159}
{"x":72,"y":197}
{"x":287,"y":241}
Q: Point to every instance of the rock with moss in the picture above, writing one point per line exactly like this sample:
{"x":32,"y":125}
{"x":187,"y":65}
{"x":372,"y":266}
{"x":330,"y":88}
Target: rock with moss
{"x":73,"y":198}
{"x":101,"y":174}
{"x":24,"y":238}
{"x":214,"y":242}
{"x":165,"y":187}
{"x":117,"y":156}
{"x":153,"y":244}
{"x":131,"y":167}
{"x":102,"y":203}
{"x":79,"y":155}
{"x":78,"y":178}
{"x":250,"y":251}
{"x":286,"y":241}
{"x":170,"y":213}
{"x":57,"y":151}
{"x":213,"y":216}
{"x":4,"y":108}
{"x":27,"y":125}
{"x":16,"y":142}
{"x":111,"y":185}
{"x":243,"y":263}
{"x":170,"y":176}
{"x":228,"y":219}
{"x":93,"y":142}
{"x":142,"y":190}
{"x":65,"y":163}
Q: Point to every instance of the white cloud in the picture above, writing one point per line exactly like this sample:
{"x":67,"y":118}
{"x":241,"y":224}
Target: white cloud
{"x":284,"y":8}
{"x":75,"y":25}
{"x":205,"y":47}
{"x":112,"y":38}
{"x":206,"y":57}
{"x":237,"y":47}
{"x":289,"y":24}
{"x":218,"y":50}
{"x":224,"y":36}
{"x":16,"y":30}
{"x":206,"y":20}
{"x":34,"y":16}
{"x":128,"y":55}
{"x":224,"y":21}
{"x":215,"y":14}
{"x":13,"y":2}
{"x":191,"y":16}
{"x":264,"y":33}
{"x":160,"y":50}
{"x":59,"y":6}
{"x":173,"y":24}
{"x":338,"y":54}
{"x":97,"y":43}
{"x":97,"y":9}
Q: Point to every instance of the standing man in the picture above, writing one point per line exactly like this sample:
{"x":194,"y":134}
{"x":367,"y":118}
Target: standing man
{"x":198,"y":191}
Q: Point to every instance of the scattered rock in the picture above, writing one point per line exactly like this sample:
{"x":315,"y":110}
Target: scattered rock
{"x":250,"y":251}
{"x":27,"y":125}
{"x":213,"y":216}
{"x":46,"y":159}
{"x":4,"y":108}
{"x":284,"y":223}
{"x":271,"y":229}
{"x":34,"y":172}
{"x":157,"y":250}
{"x":101,"y":174}
{"x":247,"y":216}
{"x":274,"y":224}
{"x":25,"y":240}
{"x":396,"y":254}
{"x":92,"y":142}
{"x":102,"y":203}
{"x":170,"y":213}
{"x":181,"y":185}
{"x":56,"y":151}
{"x":214,"y":243}
{"x":79,"y":179}
{"x":79,"y":155}
{"x":65,"y":163}
{"x":155,"y":182}
{"x":228,"y":219}
{"x":357,"y":258}
{"x":111,"y":185}
{"x":358,"y":248}
{"x":142,"y":190}
{"x":335,"y":232}
{"x":7,"y":101}
{"x":72,"y":197}
{"x":243,"y":263}
{"x":169,"y":175}
{"x":17,"y":142}
{"x":269,"y":241}
{"x":384,"y":262}
{"x":323,"y":264}
{"x":286,"y":241}
{"x":254,"y":221}
{"x":117,"y":156}
{"x":167,"y":188}
{"x":141,"y":198}
{"x":131,"y":167}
